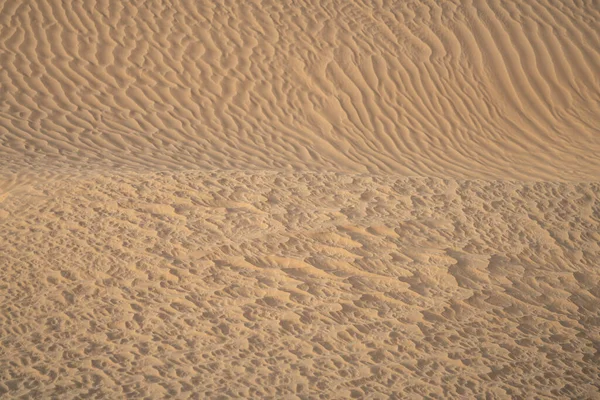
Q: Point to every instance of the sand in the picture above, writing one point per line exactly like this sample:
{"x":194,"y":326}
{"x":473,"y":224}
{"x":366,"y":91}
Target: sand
{"x":299,"y":199}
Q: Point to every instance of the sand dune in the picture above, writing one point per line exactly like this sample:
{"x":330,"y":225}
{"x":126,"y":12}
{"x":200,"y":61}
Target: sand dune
{"x":484,"y":89}
{"x":299,"y":199}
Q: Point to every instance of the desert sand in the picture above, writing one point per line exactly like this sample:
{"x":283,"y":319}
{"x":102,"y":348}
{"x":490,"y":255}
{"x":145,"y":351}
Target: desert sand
{"x":299,"y":199}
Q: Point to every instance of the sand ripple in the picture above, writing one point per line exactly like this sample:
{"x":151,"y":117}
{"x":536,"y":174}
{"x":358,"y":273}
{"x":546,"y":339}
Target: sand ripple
{"x":464,"y":89}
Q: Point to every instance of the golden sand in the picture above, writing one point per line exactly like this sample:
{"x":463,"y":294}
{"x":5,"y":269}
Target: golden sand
{"x":299,"y":199}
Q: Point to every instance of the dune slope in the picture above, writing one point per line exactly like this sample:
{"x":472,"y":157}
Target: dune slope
{"x":487,"y":89}
{"x":299,"y":199}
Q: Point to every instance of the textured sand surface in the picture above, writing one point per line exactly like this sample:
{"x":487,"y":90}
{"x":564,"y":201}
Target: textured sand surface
{"x":299,"y":199}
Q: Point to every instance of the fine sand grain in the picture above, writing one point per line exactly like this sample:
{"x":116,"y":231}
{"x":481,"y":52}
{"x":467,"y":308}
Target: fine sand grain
{"x":299,"y":199}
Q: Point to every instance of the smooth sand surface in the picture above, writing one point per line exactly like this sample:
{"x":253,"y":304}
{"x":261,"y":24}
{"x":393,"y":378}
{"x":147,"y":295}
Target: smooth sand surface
{"x":299,"y":199}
